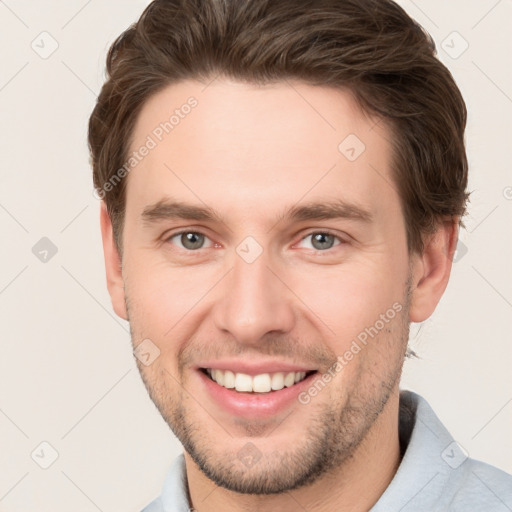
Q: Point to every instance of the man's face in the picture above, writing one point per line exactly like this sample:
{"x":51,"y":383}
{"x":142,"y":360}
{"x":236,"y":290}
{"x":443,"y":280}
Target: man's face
{"x":262,"y":293}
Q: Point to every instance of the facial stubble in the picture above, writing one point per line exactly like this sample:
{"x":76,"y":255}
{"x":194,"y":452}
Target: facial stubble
{"x":335,"y":431}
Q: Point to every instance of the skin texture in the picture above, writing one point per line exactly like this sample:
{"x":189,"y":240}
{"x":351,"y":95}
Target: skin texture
{"x":250,"y":153}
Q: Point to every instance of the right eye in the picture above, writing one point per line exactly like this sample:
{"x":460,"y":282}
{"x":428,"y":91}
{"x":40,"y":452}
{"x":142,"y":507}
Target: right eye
{"x":188,"y":240}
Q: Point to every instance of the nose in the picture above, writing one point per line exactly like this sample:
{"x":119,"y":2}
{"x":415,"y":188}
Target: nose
{"x":254,"y":302}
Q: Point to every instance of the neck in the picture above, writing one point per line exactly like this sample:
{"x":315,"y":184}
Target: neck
{"x":355,"y":486}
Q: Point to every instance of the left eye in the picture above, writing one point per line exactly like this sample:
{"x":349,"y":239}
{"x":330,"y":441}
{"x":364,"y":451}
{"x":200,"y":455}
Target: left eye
{"x":321,"y":240}
{"x":189,"y":240}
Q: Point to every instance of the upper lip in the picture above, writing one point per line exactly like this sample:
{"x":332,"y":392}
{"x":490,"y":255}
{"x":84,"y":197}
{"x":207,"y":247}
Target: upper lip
{"x":255,"y":368}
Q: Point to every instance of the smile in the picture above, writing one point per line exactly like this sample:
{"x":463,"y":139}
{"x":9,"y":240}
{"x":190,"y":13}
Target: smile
{"x":261,"y":383}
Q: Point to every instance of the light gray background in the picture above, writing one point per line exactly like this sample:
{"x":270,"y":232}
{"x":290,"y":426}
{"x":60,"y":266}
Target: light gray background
{"x":67,"y":375}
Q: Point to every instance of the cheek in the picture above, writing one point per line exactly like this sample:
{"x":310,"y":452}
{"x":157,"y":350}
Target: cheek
{"x":347,"y":299}
{"x":161,"y":295}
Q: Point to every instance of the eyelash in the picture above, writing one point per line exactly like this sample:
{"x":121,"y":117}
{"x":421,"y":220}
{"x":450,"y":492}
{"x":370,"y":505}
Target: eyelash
{"x":323,"y":232}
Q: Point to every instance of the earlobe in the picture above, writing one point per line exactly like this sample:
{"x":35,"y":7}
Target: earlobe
{"x":113,"y":268}
{"x":431,"y":270}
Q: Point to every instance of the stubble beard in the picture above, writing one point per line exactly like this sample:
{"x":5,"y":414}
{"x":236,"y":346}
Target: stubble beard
{"x":334,"y":433}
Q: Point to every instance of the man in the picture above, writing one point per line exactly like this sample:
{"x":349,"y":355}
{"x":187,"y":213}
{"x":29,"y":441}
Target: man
{"x":282,"y":184}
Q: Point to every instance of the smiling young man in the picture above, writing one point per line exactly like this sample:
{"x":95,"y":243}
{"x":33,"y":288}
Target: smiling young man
{"x":282,"y":184}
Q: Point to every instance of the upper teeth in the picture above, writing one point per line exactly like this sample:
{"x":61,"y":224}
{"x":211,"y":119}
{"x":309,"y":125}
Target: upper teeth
{"x":261,"y":383}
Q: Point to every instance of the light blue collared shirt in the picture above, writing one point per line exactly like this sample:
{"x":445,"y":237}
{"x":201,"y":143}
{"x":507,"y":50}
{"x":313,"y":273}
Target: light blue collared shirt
{"x":435,"y":474}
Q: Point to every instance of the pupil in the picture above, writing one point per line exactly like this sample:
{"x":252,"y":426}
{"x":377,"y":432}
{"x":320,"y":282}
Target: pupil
{"x":323,"y":241}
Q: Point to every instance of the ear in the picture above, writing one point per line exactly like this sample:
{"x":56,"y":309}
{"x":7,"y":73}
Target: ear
{"x":431,"y":270}
{"x":113,"y":267}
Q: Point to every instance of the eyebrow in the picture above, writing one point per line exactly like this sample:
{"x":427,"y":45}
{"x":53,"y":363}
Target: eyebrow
{"x":324,"y":210}
{"x":167,"y":209}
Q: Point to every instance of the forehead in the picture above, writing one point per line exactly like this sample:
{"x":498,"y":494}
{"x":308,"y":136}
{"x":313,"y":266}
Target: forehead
{"x":243,"y":148}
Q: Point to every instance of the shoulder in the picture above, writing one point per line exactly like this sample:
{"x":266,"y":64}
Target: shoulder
{"x":174,"y":497}
{"x":436,"y":474}
{"x":476,"y":485}
{"x":154,"y":506}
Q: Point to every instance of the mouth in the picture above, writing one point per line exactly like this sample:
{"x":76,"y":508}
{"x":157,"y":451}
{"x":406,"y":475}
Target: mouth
{"x":245,"y":391}
{"x":256,"y":384}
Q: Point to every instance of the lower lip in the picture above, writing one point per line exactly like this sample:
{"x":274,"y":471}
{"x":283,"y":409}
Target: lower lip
{"x":255,"y":405}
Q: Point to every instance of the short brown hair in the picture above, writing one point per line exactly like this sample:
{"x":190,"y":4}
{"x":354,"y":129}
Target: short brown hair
{"x":370,"y":47}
